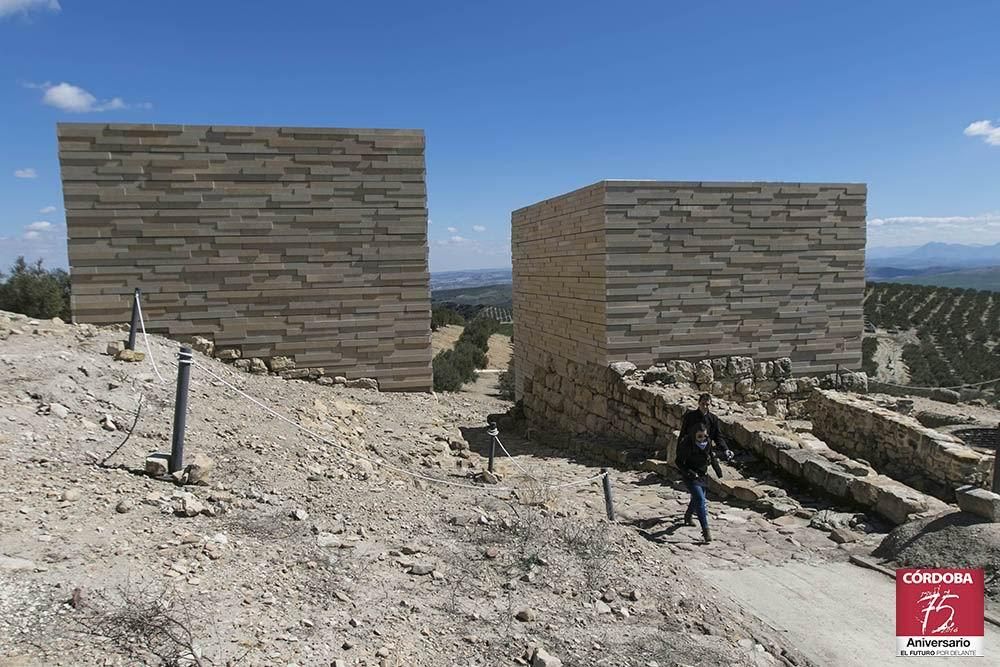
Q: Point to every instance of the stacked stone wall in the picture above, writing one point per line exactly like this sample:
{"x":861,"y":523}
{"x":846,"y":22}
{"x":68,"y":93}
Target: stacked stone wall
{"x":615,"y":401}
{"x":271,"y":242}
{"x":558,"y":253}
{"x":897,"y":444}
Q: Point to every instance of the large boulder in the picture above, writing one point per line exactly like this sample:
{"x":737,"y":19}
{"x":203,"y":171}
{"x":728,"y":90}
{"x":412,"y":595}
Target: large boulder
{"x":622,"y":368}
{"x":278,"y":364}
{"x":980,"y":502}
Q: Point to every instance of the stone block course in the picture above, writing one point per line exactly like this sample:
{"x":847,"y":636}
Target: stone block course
{"x":306,"y":243}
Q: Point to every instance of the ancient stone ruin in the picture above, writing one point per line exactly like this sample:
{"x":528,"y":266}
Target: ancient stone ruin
{"x":300,"y":248}
{"x":632,"y":297}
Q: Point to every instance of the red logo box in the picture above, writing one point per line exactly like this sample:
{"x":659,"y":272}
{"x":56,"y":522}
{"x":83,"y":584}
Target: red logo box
{"x":940,"y":612}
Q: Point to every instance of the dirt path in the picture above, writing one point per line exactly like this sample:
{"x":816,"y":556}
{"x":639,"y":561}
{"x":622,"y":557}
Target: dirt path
{"x":445,"y":338}
{"x":851,"y":611}
{"x":889,"y":361}
{"x":499,"y":352}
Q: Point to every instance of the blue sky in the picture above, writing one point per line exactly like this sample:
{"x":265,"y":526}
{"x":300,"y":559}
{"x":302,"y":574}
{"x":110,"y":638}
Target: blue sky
{"x":521,"y":101}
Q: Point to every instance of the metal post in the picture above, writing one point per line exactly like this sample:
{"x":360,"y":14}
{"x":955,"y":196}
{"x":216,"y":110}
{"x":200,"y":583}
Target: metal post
{"x":996,"y":465}
{"x":609,"y":501}
{"x":184,"y":360}
{"x":493,"y":431}
{"x":135,"y":319}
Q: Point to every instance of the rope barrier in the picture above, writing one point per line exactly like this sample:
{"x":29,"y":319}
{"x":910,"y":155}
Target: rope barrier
{"x":958,"y":386}
{"x":382,"y":464}
{"x":149,"y":348}
{"x":917,"y":386}
{"x":496,"y":436}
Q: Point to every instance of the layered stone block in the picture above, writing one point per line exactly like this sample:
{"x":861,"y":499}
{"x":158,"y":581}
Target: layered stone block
{"x":307,"y":243}
{"x":648,"y":271}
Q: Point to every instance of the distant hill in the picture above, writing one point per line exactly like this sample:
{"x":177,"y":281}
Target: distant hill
{"x":443,"y":280}
{"x":958,"y":265}
{"x":485,"y":295}
{"x":981,"y":279}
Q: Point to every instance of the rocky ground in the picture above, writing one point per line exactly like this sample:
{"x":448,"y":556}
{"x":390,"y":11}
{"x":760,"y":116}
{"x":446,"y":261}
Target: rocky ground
{"x":347,"y":547}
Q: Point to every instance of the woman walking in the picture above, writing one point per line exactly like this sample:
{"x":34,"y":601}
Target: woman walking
{"x":694,"y":455}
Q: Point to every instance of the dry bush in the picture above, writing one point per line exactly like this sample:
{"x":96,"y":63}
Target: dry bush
{"x":276,"y":526}
{"x":142,"y":623}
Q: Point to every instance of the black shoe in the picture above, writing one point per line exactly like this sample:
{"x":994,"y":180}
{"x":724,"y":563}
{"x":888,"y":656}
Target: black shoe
{"x":706,"y":535}
{"x":688,"y":521}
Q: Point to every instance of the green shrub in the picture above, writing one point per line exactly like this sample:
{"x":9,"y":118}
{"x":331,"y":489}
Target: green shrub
{"x":868,"y":347}
{"x":447,"y":376}
{"x":453,"y":368}
{"x":505,"y":383}
{"x":34,"y":291}
{"x":443,"y":316}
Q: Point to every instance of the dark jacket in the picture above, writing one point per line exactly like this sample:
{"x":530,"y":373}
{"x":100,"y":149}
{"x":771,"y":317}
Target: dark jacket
{"x":693,"y":461}
{"x":694,"y":417}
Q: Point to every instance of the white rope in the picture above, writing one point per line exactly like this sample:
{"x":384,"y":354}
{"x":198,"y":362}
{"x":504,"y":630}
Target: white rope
{"x":916,"y":386}
{"x":149,"y":348}
{"x":512,"y":459}
{"x":350,"y":451}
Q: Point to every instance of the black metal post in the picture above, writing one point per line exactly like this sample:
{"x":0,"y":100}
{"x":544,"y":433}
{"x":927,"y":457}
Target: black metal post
{"x":493,"y":431}
{"x":184,"y":360}
{"x":609,"y":501}
{"x":135,"y":319}
{"x":996,"y":464}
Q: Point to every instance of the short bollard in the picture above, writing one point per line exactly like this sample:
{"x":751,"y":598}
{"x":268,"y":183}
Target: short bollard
{"x":609,"y":501}
{"x":996,"y":466}
{"x":493,"y":432}
{"x":134,"y":327}
{"x":184,"y":360}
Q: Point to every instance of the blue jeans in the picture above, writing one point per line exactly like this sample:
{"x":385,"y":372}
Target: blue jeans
{"x":698,"y":504}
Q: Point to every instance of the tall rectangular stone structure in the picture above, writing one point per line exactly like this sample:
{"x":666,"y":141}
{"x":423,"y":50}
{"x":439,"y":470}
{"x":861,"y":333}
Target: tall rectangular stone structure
{"x":309,"y":243}
{"x":649,"y":271}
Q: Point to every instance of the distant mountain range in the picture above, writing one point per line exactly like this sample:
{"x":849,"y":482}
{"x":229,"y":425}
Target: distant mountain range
{"x":943,"y":264}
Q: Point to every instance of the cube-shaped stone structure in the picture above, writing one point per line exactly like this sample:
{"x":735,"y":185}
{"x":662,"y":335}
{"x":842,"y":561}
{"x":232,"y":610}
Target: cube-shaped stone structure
{"x":650,"y":271}
{"x":308,"y":243}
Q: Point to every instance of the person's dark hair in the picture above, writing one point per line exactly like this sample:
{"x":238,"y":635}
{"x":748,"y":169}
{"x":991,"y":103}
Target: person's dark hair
{"x":705,"y":397}
{"x":700,"y":428}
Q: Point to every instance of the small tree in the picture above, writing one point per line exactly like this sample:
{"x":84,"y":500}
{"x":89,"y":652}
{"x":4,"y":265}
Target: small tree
{"x":35,"y":291}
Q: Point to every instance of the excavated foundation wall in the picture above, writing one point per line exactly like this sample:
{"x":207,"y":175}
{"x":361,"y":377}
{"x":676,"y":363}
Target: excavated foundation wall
{"x":616,"y":401}
{"x":897,"y":444}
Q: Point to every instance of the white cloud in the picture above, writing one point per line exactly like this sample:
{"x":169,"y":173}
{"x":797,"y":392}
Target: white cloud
{"x":452,"y":230}
{"x":478,"y":228}
{"x":458,"y":252}
{"x":74,"y":99}
{"x":930,"y":220}
{"x":11,"y":7}
{"x":38,"y":240}
{"x":985,"y":129}
{"x":47,"y":209}
{"x":27,"y":172}
{"x":920,"y":229}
